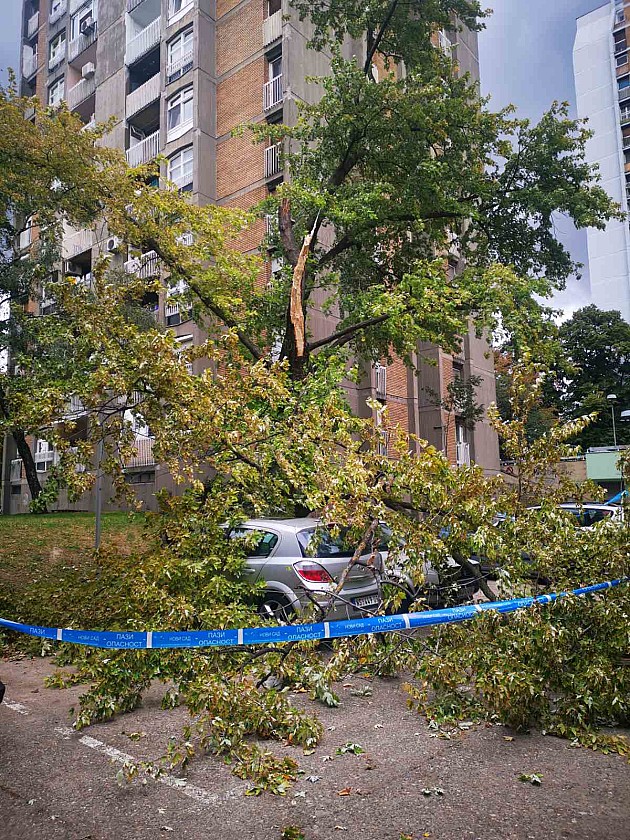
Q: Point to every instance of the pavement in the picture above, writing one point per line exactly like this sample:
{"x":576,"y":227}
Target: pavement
{"x":57,"y":784}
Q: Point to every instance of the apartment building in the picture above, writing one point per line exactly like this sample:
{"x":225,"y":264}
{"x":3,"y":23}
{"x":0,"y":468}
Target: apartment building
{"x":178,"y":76}
{"x":601,"y":60}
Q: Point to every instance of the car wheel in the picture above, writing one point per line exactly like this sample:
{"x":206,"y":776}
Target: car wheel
{"x":278,"y":607}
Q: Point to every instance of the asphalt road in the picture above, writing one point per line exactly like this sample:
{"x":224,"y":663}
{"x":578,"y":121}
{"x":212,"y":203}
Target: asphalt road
{"x":56,"y":784}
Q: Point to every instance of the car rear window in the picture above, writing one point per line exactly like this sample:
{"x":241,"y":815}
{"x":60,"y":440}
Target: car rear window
{"x":318,"y":542}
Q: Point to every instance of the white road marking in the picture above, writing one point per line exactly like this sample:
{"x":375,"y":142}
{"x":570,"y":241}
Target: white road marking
{"x":192,"y":791}
{"x":17,"y":707}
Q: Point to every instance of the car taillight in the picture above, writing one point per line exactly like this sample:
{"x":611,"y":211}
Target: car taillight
{"x":312,"y":572}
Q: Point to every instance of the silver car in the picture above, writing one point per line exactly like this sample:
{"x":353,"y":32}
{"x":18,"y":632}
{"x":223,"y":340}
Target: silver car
{"x":301,"y":563}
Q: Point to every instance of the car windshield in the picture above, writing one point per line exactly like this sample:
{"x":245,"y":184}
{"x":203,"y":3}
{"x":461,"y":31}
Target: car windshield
{"x":319,"y":542}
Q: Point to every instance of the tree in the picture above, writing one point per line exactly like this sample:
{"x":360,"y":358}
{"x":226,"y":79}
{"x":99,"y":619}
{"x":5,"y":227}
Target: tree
{"x":51,"y":172}
{"x":387,"y":178}
{"x":596,"y":345}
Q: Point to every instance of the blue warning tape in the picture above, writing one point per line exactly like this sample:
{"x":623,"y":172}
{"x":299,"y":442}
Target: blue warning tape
{"x":153,"y":639}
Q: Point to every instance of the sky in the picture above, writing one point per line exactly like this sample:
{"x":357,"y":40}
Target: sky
{"x":526,"y":59}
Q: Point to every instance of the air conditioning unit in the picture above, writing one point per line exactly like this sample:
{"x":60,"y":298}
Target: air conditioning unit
{"x":87,"y":26}
{"x":112,"y":244}
{"x":88,"y":70}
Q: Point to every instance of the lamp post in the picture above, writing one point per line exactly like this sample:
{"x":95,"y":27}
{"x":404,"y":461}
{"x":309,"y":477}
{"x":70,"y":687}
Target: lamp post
{"x":611,"y":399}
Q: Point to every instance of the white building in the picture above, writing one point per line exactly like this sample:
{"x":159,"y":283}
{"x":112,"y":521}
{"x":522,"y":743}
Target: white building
{"x":601,"y":61}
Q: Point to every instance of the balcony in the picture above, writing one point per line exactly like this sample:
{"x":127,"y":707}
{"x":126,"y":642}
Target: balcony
{"x":29,"y":65}
{"x":145,"y":150}
{"x":16,"y":470}
{"x":144,"y":41}
{"x":273,"y":166}
{"x":53,"y":17}
{"x":147,"y":93}
{"x":133,"y":4}
{"x":56,"y":59}
{"x":624,"y":94}
{"x":33,"y":25}
{"x":626,"y":144}
{"x":85,"y":39}
{"x":144,"y":266}
{"x":624,"y":116}
{"x":76,"y":243}
{"x":272,"y":28}
{"x":25,"y":238}
{"x":144,"y":454}
{"x":178,"y":67}
{"x":462,"y":454}
{"x":273,"y":93}
{"x":380,"y":377}
{"x":80,"y":92}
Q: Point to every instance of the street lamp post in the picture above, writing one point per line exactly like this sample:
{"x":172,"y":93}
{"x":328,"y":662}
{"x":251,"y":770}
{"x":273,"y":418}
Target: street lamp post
{"x":611,"y":399}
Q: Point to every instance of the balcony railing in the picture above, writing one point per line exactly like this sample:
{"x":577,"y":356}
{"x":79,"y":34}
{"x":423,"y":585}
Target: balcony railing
{"x":76,"y":243}
{"x":78,"y":45}
{"x":272,"y":161}
{"x":272,"y":28}
{"x":145,"y":150}
{"x":624,"y":116}
{"x":143,"y":41}
{"x":624,"y":93}
{"x":53,"y":17}
{"x":380,"y":375}
{"x":144,"y":266}
{"x":273,"y":93}
{"x":29,"y":65}
{"x":626,"y":144}
{"x":179,"y":66}
{"x":56,"y":59}
{"x":144,"y":453}
{"x":620,"y":46}
{"x":80,"y":92}
{"x":33,"y":25}
{"x":25,"y":238}
{"x":462,"y":454}
{"x":16,"y":470}
{"x":144,"y":95}
{"x":171,"y":309}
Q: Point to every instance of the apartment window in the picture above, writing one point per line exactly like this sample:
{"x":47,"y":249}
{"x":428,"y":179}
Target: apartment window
{"x":57,"y":50}
{"x":56,"y":92}
{"x":179,"y":117}
{"x":273,"y":6}
{"x":180,"y":168}
{"x":82,"y":20}
{"x":180,"y":55}
{"x":184,"y":343}
{"x":176,"y":8}
{"x":623,"y":82}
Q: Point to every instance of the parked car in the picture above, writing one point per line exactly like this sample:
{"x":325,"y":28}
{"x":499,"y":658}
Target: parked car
{"x":301,"y":563}
{"x":586,"y":515}
{"x":454,"y":586}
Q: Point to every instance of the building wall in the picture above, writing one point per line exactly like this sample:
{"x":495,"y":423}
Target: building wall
{"x":598,"y":101}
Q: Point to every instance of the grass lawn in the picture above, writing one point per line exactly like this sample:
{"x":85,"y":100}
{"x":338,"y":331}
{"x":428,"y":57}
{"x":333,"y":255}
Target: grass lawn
{"x":48,"y":573}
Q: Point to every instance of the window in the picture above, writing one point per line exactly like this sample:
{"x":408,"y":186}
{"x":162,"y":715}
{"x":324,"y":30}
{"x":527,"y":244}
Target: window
{"x":82,"y":21}
{"x":176,"y":8}
{"x":264,"y":545}
{"x":180,"y":168}
{"x":185,"y":343}
{"x":179,"y":117}
{"x":319,"y":542}
{"x":275,"y":68}
{"x":273,"y":6}
{"x":56,"y":92}
{"x":623,"y":82}
{"x":180,"y":55}
{"x":57,"y":50}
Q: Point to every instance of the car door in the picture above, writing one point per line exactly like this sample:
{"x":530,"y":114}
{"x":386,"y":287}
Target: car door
{"x":258,"y":554}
